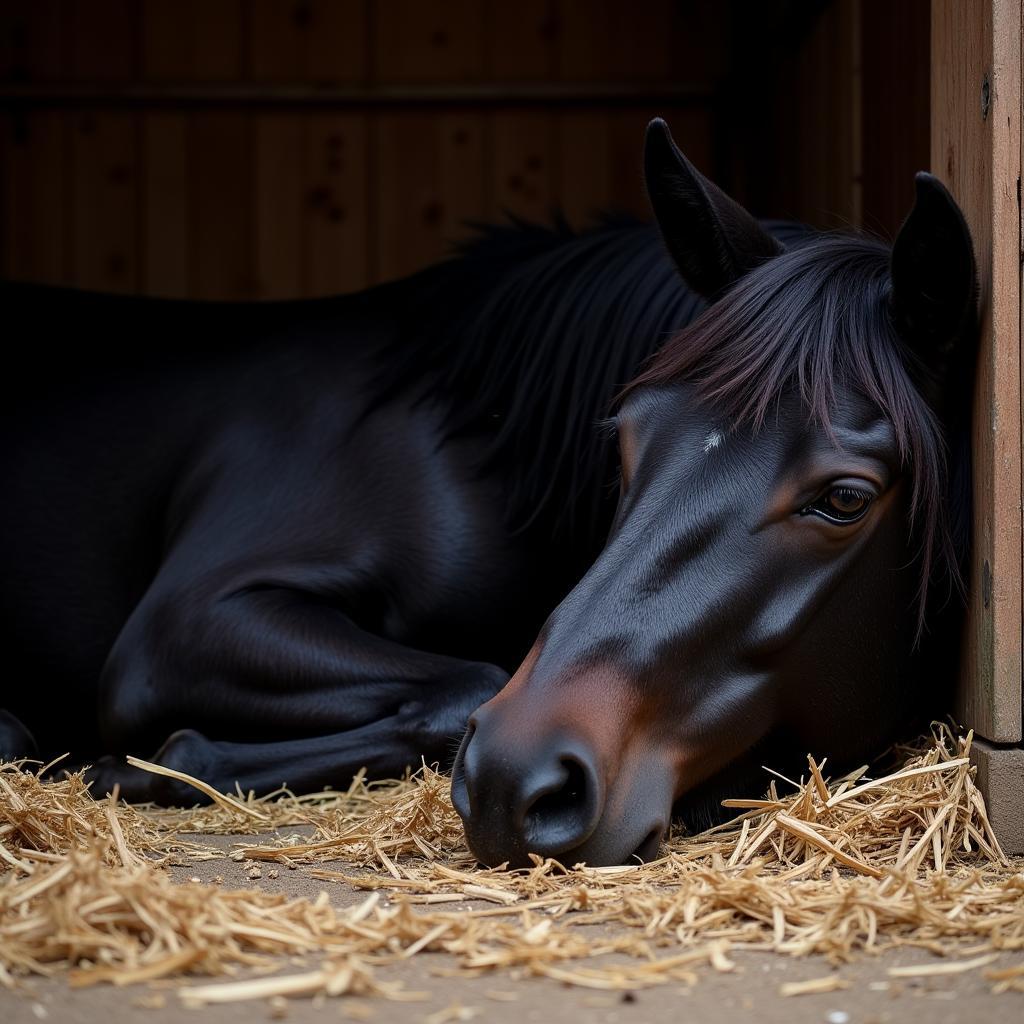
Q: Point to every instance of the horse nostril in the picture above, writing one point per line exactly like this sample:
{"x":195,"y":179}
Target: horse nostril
{"x":563,"y":813}
{"x":558,"y":802}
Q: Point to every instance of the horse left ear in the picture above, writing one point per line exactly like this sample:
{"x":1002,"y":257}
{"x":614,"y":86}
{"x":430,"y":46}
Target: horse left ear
{"x":711,"y":238}
{"x":934,"y":281}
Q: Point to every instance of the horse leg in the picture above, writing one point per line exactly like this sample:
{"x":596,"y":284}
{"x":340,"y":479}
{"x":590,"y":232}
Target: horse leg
{"x":427,"y":729}
{"x":264,"y":670}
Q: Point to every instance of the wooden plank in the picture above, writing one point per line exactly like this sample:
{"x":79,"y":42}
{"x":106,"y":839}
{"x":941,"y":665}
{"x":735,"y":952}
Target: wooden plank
{"x":12,"y":34}
{"x":522,"y":165}
{"x":1018,"y":788}
{"x":185,"y":40}
{"x":31,"y":40}
{"x":521,"y":40}
{"x":429,"y":172}
{"x":584,"y":187}
{"x":896,"y":137}
{"x":220,"y":206}
{"x":337,"y":42}
{"x":977,"y":152}
{"x":336,"y":204}
{"x":6,"y":144}
{"x":277,"y":32}
{"x":428,"y":42}
{"x":608,"y":39}
{"x":7,"y":198}
{"x":218,"y":45}
{"x":167,"y":36}
{"x":164,"y":235}
{"x":104,"y":193}
{"x":280,"y":143}
{"x":35,"y":210}
{"x":317,"y":40}
{"x":102,"y":39}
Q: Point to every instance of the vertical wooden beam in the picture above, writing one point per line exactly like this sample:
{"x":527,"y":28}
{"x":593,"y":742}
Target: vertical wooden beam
{"x":976,"y":150}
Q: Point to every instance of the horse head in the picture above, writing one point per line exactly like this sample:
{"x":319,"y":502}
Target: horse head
{"x":784,"y":514}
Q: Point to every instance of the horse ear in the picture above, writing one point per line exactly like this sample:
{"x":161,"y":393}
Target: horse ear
{"x":934,"y":282}
{"x":711,"y":238}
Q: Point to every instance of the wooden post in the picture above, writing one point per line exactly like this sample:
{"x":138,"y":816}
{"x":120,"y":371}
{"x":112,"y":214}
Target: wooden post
{"x":976,"y":150}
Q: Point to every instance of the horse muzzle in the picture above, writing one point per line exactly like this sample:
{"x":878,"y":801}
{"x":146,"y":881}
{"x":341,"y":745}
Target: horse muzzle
{"x":525,"y":786}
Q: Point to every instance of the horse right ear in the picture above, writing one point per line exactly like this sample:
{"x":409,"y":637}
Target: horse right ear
{"x":934,"y":281}
{"x":712,"y":239}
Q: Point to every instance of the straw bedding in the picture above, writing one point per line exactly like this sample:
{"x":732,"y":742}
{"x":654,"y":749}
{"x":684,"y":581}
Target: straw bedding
{"x":834,"y":867}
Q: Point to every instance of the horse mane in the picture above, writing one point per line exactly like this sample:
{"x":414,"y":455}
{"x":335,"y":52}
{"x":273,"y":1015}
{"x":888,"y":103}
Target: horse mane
{"x":815,"y":321}
{"x":525,"y":337}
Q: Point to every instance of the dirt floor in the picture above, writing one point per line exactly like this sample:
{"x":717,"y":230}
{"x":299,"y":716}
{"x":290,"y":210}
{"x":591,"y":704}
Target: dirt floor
{"x":750,"y":993}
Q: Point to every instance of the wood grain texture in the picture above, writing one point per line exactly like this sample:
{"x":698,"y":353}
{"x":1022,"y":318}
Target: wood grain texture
{"x":165,"y":223}
{"x":191,"y":40}
{"x":238,"y":127}
{"x":6,"y":143}
{"x":167,"y":39}
{"x":584,"y":184}
{"x":319,"y":41}
{"x":616,"y":40}
{"x":35,"y":222}
{"x":32,"y":40}
{"x":429,"y":181}
{"x":979,"y":158}
{"x":104,"y":224}
{"x":336,"y":204}
{"x":522,"y":165}
{"x":277,"y":215}
{"x":896,"y":102}
{"x":522,"y":40}
{"x":217,"y":45}
{"x":337,"y":47}
{"x":101,"y":39}
{"x":441,"y":41}
{"x":220,"y":206}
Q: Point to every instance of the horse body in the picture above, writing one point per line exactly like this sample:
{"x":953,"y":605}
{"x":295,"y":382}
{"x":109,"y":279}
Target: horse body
{"x":199,"y":457}
{"x":288,"y":541}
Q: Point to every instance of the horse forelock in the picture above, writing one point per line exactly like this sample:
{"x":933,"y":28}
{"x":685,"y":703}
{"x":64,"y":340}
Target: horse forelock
{"x":815,"y":322}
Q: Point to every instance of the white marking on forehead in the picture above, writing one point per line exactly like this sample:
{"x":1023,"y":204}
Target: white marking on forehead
{"x":713,"y":440}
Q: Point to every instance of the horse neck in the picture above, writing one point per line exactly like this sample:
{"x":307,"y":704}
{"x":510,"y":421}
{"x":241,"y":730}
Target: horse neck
{"x":524,"y":341}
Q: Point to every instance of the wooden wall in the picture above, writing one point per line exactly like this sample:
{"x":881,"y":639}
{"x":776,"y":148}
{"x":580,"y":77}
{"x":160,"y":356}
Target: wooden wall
{"x":270,"y":148}
{"x":828,"y":110}
{"x":280,"y":148}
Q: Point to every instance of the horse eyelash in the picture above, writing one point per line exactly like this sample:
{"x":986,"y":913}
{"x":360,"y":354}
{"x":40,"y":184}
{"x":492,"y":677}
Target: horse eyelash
{"x":608,"y":429}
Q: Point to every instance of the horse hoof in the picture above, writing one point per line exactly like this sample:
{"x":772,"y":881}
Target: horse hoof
{"x":189,"y":752}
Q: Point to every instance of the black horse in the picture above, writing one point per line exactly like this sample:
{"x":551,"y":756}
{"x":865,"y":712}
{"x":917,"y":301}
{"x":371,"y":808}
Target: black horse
{"x":277,"y":543}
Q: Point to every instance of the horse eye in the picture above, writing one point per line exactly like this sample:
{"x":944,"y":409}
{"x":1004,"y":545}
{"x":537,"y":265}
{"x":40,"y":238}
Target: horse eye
{"x":841,"y":504}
